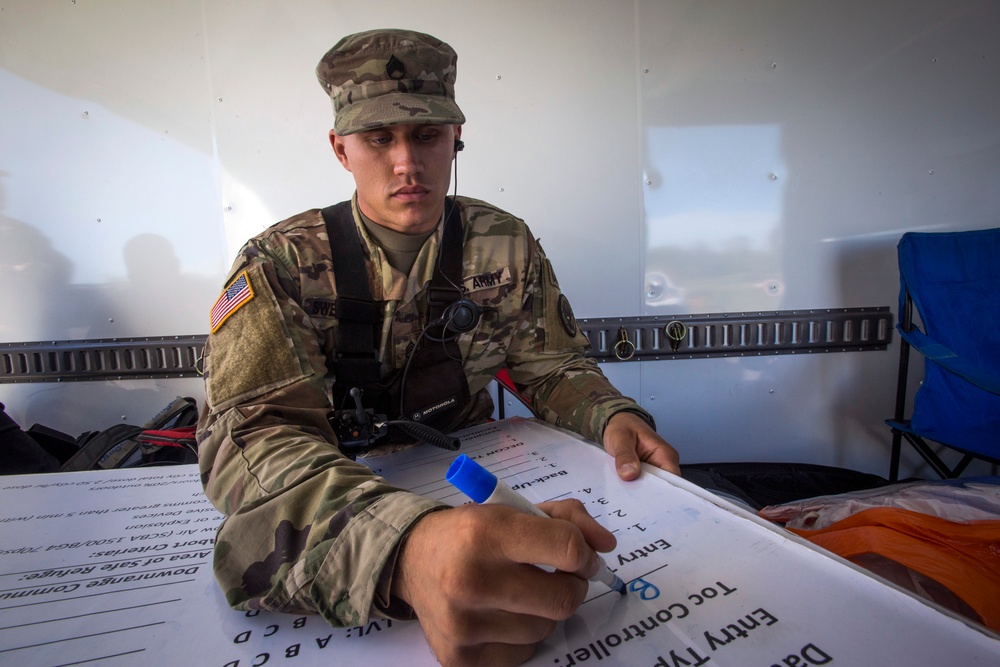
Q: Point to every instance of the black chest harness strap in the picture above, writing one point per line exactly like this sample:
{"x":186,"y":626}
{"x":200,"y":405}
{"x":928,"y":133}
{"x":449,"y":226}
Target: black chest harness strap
{"x":436,"y":390}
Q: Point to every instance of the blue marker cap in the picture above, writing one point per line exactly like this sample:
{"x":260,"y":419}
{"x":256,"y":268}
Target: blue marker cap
{"x":471,"y":478}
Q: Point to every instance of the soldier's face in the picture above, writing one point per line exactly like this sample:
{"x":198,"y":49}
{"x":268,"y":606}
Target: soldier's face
{"x":402,"y":173}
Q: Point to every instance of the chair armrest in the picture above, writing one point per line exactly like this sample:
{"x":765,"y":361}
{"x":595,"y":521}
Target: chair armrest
{"x":944,"y":357}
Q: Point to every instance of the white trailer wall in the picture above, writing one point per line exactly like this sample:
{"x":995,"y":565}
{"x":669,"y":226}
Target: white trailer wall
{"x":674,"y":157}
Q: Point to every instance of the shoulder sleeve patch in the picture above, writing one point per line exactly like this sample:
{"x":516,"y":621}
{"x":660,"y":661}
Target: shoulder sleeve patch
{"x":255,"y":351}
{"x":566,"y":316}
{"x":236,"y":295}
{"x":561,"y":330}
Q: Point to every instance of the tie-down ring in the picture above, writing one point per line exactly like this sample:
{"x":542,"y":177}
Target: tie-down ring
{"x":624,"y":348}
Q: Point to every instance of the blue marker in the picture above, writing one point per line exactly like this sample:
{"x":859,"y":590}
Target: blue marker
{"x":483,"y":487}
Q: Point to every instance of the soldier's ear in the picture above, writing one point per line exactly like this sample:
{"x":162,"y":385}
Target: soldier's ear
{"x":337,"y":142}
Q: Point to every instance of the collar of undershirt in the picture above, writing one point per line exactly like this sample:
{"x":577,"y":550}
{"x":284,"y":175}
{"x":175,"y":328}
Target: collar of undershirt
{"x":400,"y":249}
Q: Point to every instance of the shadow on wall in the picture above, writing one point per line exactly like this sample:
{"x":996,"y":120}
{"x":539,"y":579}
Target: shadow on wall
{"x":861,"y":264}
{"x":40,"y":302}
{"x":36,"y":298}
{"x":156,"y":290}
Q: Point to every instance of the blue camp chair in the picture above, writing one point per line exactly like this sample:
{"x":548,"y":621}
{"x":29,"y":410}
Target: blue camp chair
{"x":952,"y":281}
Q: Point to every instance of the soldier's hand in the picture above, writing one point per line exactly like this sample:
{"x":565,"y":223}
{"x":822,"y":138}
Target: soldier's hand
{"x":470,"y":573}
{"x":630,"y":439}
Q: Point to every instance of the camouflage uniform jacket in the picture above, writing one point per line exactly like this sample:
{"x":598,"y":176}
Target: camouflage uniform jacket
{"x":307,"y":530}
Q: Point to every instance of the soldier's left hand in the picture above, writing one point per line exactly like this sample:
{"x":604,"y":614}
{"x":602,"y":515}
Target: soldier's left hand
{"x":630,"y":439}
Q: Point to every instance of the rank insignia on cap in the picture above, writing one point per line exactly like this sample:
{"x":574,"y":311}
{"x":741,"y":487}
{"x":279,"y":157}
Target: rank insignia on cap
{"x":237,"y":294}
{"x":566,"y":315}
{"x":395,"y":69}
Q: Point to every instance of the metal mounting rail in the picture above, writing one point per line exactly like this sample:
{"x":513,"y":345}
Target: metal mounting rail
{"x":101,"y":359}
{"x":715,"y":335}
{"x":738,"y":334}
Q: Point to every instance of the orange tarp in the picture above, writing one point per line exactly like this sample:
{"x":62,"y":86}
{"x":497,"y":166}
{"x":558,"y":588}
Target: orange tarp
{"x":964,"y":557}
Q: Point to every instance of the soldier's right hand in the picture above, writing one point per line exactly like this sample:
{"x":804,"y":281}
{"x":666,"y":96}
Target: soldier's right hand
{"x":470,"y":573}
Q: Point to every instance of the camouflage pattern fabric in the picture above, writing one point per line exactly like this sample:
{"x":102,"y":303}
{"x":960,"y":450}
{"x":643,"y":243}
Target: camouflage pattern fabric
{"x":387,"y":77}
{"x":308,"y":530}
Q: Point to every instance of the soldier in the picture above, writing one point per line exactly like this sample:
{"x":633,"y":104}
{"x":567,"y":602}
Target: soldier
{"x":309,"y":530}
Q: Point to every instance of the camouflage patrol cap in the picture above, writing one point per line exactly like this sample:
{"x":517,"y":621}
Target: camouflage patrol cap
{"x":388,"y":77}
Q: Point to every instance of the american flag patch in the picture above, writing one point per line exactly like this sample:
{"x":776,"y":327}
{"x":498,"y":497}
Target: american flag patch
{"x":238,"y":293}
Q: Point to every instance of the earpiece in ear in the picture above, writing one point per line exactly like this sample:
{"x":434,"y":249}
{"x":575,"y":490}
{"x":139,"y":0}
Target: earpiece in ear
{"x":459,"y":145}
